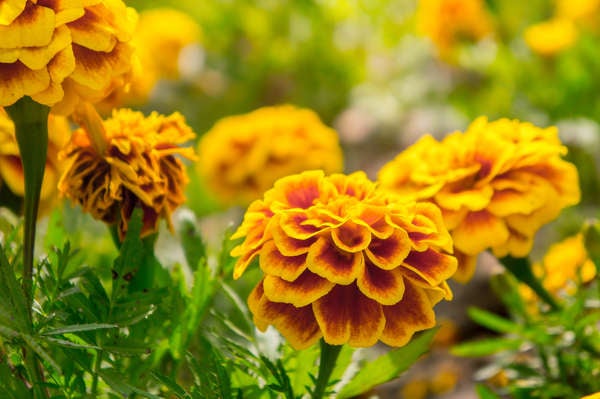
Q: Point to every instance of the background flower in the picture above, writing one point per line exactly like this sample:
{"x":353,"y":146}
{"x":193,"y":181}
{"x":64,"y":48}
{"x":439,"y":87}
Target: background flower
{"x":496,"y":185}
{"x":11,"y":168}
{"x":243,"y":155}
{"x":133,"y":163}
{"x":61,"y":52}
{"x":344,"y":261}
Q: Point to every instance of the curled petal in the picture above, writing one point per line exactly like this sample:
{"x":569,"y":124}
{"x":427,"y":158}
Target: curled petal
{"x":432,"y":266}
{"x":478,"y":231}
{"x":301,"y":190}
{"x":466,"y":266}
{"x":297,"y":325}
{"x":273,"y":262}
{"x":329,"y":262}
{"x":346,"y":316}
{"x":385,"y":287}
{"x":351,"y":237}
{"x":528,"y":193}
{"x":296,"y":225}
{"x":389,"y":253}
{"x":475,"y":199}
{"x":413,"y":313}
{"x":290,"y":246}
{"x":301,"y":292}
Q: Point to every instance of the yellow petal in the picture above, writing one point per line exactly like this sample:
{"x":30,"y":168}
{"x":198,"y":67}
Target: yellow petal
{"x":413,"y":313}
{"x":32,"y":28}
{"x":389,"y":253}
{"x":474,"y":199}
{"x":479,"y":231}
{"x":329,"y":262}
{"x":432,"y":266}
{"x":287,"y":245}
{"x":347,"y":316}
{"x":466,"y":267}
{"x":273,"y":262}
{"x":351,"y":237}
{"x":19,"y":81}
{"x":10,"y":9}
{"x":385,"y":287}
{"x":301,"y":292}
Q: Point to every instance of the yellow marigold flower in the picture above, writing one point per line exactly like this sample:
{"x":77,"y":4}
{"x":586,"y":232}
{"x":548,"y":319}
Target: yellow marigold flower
{"x":551,"y":37}
{"x":564,"y":267}
{"x":243,"y":155}
{"x":344,"y":261}
{"x":126,"y":161}
{"x":158,"y":46}
{"x":578,"y":10}
{"x":58,"y":52}
{"x":11,"y":169}
{"x":447,"y":22}
{"x":496,"y":185}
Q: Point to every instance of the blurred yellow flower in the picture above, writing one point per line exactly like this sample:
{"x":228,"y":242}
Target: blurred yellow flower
{"x":552,"y":36}
{"x":243,"y":155}
{"x":592,"y":396}
{"x":161,"y":35}
{"x":58,"y":52}
{"x":126,"y":161}
{"x":578,"y":10}
{"x":11,"y":169}
{"x":565,"y":266}
{"x":496,"y":185}
{"x":344,"y":261}
{"x":448,"y":22}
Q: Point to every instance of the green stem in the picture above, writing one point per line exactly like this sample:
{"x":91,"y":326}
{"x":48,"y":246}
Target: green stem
{"x":97,"y":365}
{"x":521,"y":269}
{"x":329,"y":355}
{"x":31,"y":131}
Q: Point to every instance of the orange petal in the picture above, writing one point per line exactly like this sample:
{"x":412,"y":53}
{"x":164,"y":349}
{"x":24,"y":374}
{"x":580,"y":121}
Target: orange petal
{"x":244,"y":261}
{"x":391,"y":252}
{"x":295,"y":225}
{"x":351,"y":237}
{"x":329,"y":262}
{"x":433,"y":230}
{"x":347,"y":316}
{"x":413,"y":313}
{"x":386,"y":287}
{"x":273,"y":262}
{"x":518,"y":245}
{"x":301,"y":292}
{"x":298,"y":191}
{"x":290,"y":246}
{"x":432,"y":266}
{"x":479,"y":231}
{"x":297,"y":325}
{"x":466,"y":267}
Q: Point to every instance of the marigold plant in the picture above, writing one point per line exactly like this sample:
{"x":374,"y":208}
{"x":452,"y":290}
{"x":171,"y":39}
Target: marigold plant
{"x":496,"y":184}
{"x":126,"y":161}
{"x":344,"y":261}
{"x":59,"y":52}
{"x":243,"y":155}
{"x":11,"y":168}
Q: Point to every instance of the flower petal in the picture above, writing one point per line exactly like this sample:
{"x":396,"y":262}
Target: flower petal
{"x":351,"y":237}
{"x":290,"y":246}
{"x":297,"y":325}
{"x":413,"y":313}
{"x":434,"y":267}
{"x":295,"y":224}
{"x":301,"y":292}
{"x":474,"y":199}
{"x":329,"y":262}
{"x":479,"y":231}
{"x":389,"y":253}
{"x":466,"y":267}
{"x":347,"y":316}
{"x":386,"y":287}
{"x":273,"y":262}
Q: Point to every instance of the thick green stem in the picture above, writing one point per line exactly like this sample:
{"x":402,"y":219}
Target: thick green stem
{"x":31,"y":130}
{"x":521,"y":269}
{"x":329,"y":355}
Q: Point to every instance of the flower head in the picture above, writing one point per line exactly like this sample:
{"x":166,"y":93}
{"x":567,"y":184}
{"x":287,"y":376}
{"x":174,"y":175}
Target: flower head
{"x":126,"y":161}
{"x":242,"y":156}
{"x":59,"y":52}
{"x":552,"y":36}
{"x":448,"y":22}
{"x":565,"y":266}
{"x":496,"y":185}
{"x":344,"y":261}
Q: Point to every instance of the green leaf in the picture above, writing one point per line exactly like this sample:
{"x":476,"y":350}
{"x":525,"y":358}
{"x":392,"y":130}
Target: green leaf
{"x":79,"y":327}
{"x":492,"y":321}
{"x":388,"y":366}
{"x":12,"y":387}
{"x":114,"y":378}
{"x":485,"y":393}
{"x":485,"y":347}
{"x":194,"y":248}
{"x":173,"y":387}
{"x":13,"y":308}
{"x":131,"y":256}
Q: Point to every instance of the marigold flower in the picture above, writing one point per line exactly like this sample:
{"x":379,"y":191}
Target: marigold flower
{"x":344,"y":261}
{"x":243,"y":155}
{"x":585,"y":11}
{"x":564,"y":267}
{"x":551,"y":37}
{"x":126,"y":161}
{"x":11,"y":168}
{"x":447,"y":22}
{"x":58,"y":52}
{"x":496,"y":185}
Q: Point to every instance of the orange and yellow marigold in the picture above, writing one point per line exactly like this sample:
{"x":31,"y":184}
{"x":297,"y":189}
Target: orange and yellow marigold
{"x":126,"y":161}
{"x":58,"y":52}
{"x":344,"y":261}
{"x":243,"y":155}
{"x":496,"y":185}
